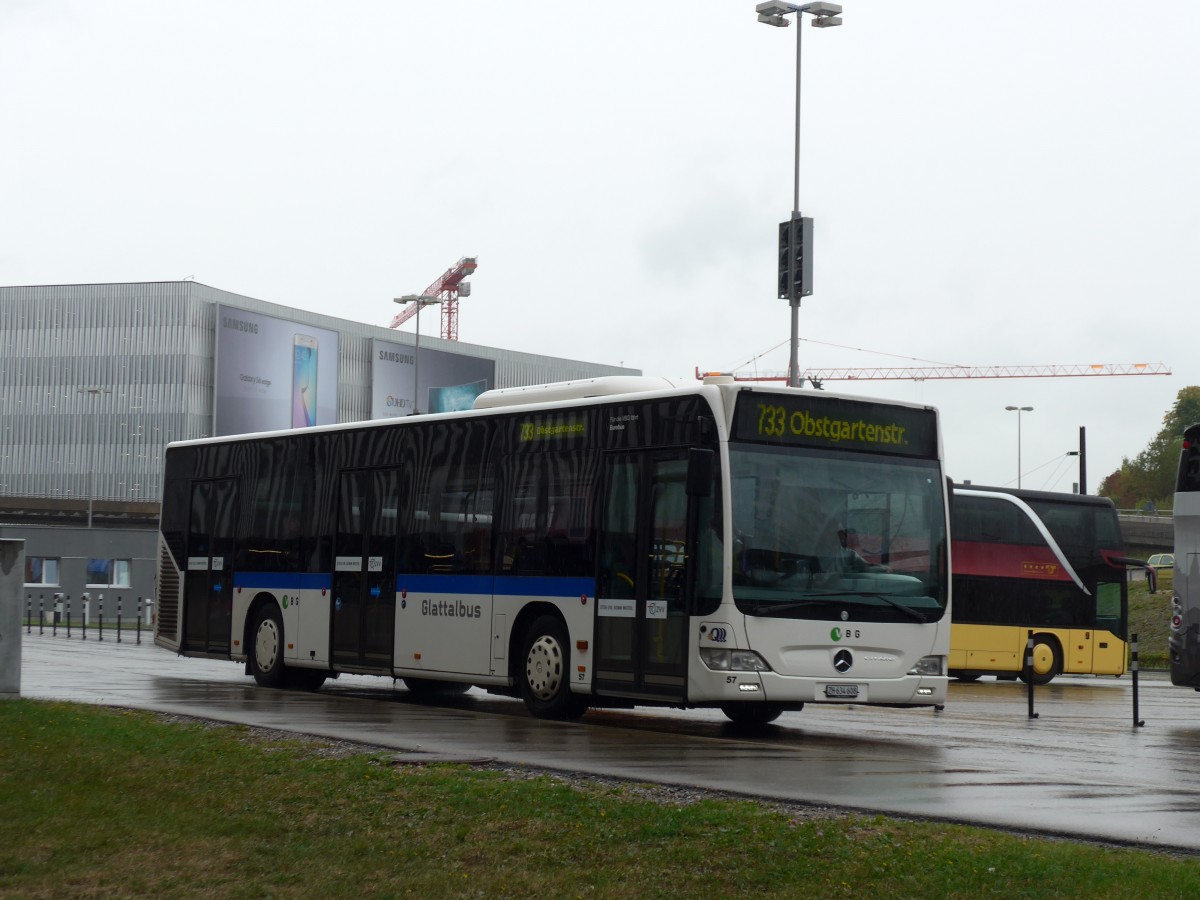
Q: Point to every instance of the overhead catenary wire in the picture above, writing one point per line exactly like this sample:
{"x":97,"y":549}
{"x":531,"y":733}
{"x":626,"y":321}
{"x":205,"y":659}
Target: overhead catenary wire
{"x":1058,"y":458}
{"x":754,"y":359}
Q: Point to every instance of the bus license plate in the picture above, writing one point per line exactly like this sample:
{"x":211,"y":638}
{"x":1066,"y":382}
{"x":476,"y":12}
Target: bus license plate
{"x":841,"y":691}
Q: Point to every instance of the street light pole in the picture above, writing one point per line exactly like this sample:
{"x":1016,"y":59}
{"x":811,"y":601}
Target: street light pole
{"x":825,"y":15}
{"x":93,"y":392}
{"x":1018,"y":410}
{"x":420,"y":300}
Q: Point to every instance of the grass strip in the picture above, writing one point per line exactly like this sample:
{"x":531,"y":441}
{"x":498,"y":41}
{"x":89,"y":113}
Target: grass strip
{"x":103,"y":802}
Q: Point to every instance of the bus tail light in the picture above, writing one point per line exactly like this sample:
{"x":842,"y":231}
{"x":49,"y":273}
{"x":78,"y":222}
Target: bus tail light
{"x":1176,"y":613}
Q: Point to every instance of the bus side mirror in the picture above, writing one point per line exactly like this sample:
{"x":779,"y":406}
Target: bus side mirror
{"x":700,"y":472}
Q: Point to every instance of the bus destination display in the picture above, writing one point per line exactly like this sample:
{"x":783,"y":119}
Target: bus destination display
{"x":812,"y":421}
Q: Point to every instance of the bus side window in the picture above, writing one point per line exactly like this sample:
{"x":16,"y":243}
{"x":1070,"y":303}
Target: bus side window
{"x":449,"y":529}
{"x":618,"y":541}
{"x":547,"y":527}
{"x":1108,"y":607}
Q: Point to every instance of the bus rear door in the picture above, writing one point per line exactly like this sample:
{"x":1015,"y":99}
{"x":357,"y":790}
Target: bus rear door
{"x":208,"y":585}
{"x":364,"y":580}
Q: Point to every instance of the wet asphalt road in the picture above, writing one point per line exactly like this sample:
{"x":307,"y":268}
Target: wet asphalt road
{"x":1081,"y":768}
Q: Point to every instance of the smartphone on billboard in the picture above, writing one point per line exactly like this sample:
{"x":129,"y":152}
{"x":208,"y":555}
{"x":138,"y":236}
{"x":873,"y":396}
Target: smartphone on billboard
{"x":304,"y":381}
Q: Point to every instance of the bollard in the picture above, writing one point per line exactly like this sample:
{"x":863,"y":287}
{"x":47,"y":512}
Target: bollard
{"x":12,"y":576}
{"x":139,"y":621}
{"x":41,"y":615}
{"x":100,"y":620}
{"x":1133,"y":667}
{"x":87,"y":607}
{"x":118,"y":618}
{"x":54,"y":621}
{"x":29,"y":613}
{"x":1029,"y":672}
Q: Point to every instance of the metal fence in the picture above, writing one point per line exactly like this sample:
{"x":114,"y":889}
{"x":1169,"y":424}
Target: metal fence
{"x":58,"y":613}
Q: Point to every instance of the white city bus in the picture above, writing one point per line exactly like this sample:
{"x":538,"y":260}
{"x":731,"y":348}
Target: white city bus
{"x":1183,"y":641}
{"x":610,"y":542}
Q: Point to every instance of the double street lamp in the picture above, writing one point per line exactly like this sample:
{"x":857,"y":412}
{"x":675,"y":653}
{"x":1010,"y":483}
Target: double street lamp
{"x":1018,"y":410}
{"x":795,"y":236}
{"x":420,"y":300}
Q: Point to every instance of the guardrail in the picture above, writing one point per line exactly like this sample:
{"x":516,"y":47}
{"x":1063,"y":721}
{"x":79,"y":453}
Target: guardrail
{"x":1162,"y":515}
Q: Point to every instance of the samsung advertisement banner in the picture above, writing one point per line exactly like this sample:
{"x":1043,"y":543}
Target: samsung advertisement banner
{"x":448,"y":381}
{"x":273,"y":374}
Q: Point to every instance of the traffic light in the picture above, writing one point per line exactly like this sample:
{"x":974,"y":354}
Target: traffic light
{"x":795,"y":257}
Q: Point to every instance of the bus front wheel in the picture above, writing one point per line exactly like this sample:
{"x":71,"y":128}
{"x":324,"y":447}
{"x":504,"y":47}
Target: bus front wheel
{"x":545,"y":671}
{"x":751,"y":714}
{"x":430,"y":688}
{"x":266,"y":648}
{"x":1047,"y":661}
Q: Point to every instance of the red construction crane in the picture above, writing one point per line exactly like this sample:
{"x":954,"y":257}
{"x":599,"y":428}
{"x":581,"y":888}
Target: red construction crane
{"x":447,"y":289}
{"x":931,"y":373}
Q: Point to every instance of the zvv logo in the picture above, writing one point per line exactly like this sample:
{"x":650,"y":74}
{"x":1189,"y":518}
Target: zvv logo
{"x":718,"y":635}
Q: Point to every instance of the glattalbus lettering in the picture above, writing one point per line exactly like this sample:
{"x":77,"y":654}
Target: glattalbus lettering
{"x":451,"y":608}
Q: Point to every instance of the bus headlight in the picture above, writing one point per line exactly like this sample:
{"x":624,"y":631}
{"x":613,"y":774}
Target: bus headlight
{"x":929,"y":665}
{"x":733,"y":660}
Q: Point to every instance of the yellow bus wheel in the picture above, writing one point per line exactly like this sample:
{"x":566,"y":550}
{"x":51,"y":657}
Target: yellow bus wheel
{"x":1047,"y":660}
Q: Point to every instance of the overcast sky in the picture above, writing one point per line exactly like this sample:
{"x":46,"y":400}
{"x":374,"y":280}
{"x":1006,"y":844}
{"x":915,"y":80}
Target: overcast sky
{"x":991,"y":185}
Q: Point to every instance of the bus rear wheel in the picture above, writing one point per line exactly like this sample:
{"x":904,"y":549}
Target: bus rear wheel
{"x":1047,"y":661}
{"x":544,"y":676}
{"x":306,"y":679}
{"x":266,"y":648}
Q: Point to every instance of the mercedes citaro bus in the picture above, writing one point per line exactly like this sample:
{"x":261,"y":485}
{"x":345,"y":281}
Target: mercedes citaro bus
{"x":609,"y":542}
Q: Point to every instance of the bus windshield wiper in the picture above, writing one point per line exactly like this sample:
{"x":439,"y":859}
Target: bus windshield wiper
{"x":915,"y":615}
{"x":783,"y":607}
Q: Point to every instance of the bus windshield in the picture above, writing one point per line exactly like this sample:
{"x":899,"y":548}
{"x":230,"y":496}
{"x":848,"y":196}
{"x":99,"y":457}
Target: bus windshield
{"x":818,"y":533}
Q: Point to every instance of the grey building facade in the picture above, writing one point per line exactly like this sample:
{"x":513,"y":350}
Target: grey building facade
{"x":95,"y":381}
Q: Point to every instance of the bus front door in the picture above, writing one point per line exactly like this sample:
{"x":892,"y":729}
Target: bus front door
{"x":641,"y":613}
{"x":364,"y":578}
{"x":208,"y":586}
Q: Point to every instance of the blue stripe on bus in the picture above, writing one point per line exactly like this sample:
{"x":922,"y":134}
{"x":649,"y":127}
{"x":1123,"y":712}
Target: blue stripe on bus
{"x":445,"y":584}
{"x":501,"y":586}
{"x":544,"y":586}
{"x":283,"y":581}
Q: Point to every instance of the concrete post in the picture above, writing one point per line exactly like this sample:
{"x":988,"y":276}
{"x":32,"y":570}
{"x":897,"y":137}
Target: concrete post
{"x":12,"y":577}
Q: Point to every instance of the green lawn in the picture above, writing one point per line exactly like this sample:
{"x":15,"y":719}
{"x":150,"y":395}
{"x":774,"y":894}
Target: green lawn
{"x":102,"y":802}
{"x":1150,"y":620}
